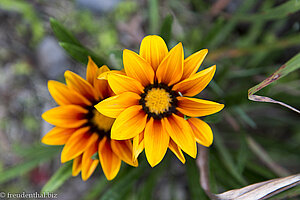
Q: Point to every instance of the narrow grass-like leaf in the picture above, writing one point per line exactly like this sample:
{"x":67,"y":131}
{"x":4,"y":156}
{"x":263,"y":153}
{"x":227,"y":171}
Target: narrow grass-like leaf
{"x":192,"y":171}
{"x":166,"y":29}
{"x":62,"y":34}
{"x":265,"y":158}
{"x":154,"y":16}
{"x":122,"y":186}
{"x":227,"y":159}
{"x":243,"y":154}
{"x":81,"y":54}
{"x":254,"y":49}
{"x":30,"y":163}
{"x":60,"y":176}
{"x":278,"y":12}
{"x":146,"y":191}
{"x":97,"y":188}
{"x":292,"y":65}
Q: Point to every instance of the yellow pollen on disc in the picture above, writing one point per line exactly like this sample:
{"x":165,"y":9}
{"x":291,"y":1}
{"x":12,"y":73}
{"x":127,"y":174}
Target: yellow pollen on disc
{"x":158,"y":100}
{"x":101,"y":121}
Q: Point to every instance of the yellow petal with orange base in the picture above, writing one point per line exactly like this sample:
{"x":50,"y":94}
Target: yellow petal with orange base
{"x":129,"y":123}
{"x":88,"y":164}
{"x":80,"y":85}
{"x":113,"y":106}
{"x":68,"y":116}
{"x":182,"y":134}
{"x":195,"y":83}
{"x":156,"y":141}
{"x":197,"y":107}
{"x":176,"y":150}
{"x":58,"y":136}
{"x":120,"y":83}
{"x":153,"y":49}
{"x":77,"y":144}
{"x":110,"y":162}
{"x":101,"y":86}
{"x":138,"y":145}
{"x":123,"y":149}
{"x":171,"y":67}
{"x":137,"y":67}
{"x":64,"y":95}
{"x":202,"y":131}
{"x":76,"y":167}
{"x":192,"y":63}
{"x":91,"y":71}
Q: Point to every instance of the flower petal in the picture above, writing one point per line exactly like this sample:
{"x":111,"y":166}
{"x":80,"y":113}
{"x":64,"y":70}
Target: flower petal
{"x":68,"y":116}
{"x":202,"y":131}
{"x":138,"y":68}
{"x":120,"y":83}
{"x":91,"y":71}
{"x":181,"y":133}
{"x":113,"y":106}
{"x":58,"y":136}
{"x":123,"y":149}
{"x":76,"y":167}
{"x":129,"y":123}
{"x":153,"y":49}
{"x":78,"y":142}
{"x":110,"y":162}
{"x":138,"y":145}
{"x":101,"y":85}
{"x":64,"y":95}
{"x":192,"y":63}
{"x":80,"y":85}
{"x":176,"y":150}
{"x":195,"y":83}
{"x":156,"y":141}
{"x":197,"y":107}
{"x":104,"y":75}
{"x":88,"y":164}
{"x":171,"y":68}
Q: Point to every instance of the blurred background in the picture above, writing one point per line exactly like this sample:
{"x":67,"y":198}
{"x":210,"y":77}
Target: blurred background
{"x":247,"y":40}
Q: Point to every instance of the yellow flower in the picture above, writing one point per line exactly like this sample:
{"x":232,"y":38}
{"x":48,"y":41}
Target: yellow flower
{"x":153,"y":97}
{"x":82,"y":130}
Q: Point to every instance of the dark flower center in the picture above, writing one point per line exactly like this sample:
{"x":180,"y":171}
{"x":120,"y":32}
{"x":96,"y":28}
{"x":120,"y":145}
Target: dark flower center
{"x":97,"y":122}
{"x":159,"y":100}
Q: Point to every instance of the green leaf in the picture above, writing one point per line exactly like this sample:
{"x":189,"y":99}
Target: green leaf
{"x":80,"y":53}
{"x":195,"y":188}
{"x":227,"y":160}
{"x":292,"y":65}
{"x":96,"y":189}
{"x":166,"y":29}
{"x":154,"y":16}
{"x":279,"y":12}
{"x":123,"y":185}
{"x":146,"y":191}
{"x":73,"y":47}
{"x":60,"y":176}
{"x":62,"y":34}
{"x":34,"y":160}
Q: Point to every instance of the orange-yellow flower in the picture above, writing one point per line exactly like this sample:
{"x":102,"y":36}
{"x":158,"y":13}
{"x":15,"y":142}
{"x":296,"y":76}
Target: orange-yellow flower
{"x":82,"y":130}
{"x":153,"y":96}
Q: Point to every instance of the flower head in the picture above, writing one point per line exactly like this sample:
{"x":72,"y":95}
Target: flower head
{"x":82,"y":130}
{"x":153,"y":96}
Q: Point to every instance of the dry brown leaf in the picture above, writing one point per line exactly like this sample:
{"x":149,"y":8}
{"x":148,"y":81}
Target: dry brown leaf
{"x":261,"y":190}
{"x":255,"y":191}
